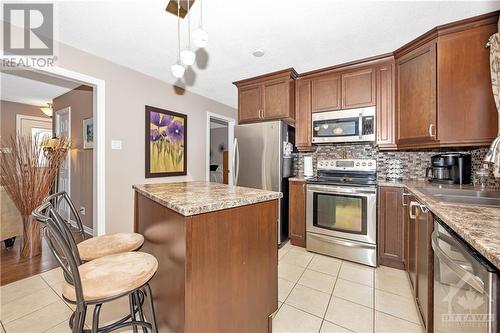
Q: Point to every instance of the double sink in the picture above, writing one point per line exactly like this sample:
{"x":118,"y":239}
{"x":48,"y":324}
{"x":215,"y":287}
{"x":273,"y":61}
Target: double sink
{"x":475,"y":197}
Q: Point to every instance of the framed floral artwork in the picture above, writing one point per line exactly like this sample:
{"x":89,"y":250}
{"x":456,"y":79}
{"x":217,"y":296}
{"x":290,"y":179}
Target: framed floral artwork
{"x":166,"y":143}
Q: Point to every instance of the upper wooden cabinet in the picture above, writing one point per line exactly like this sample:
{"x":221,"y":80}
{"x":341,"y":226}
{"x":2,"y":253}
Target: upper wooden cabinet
{"x":326,"y":93}
{"x":303,"y":121}
{"x":416,"y":77}
{"x":267,"y":97}
{"x":358,"y":88}
{"x":386,"y":110}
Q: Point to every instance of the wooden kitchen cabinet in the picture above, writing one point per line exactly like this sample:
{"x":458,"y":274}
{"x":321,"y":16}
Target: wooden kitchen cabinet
{"x":391,"y":229}
{"x":267,"y":97}
{"x":297,"y":213}
{"x":358,"y":88}
{"x":303,"y":121}
{"x":410,"y":242}
{"x":416,"y":96}
{"x":386,"y":110}
{"x":326,"y":93}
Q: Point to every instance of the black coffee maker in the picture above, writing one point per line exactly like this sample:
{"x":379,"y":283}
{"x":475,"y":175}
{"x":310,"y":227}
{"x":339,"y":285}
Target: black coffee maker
{"x":452,"y":168}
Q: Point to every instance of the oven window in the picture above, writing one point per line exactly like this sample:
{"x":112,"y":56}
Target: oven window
{"x":336,"y":128}
{"x":344,"y":213}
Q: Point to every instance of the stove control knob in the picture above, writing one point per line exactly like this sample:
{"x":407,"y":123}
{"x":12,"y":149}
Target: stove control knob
{"x":332,"y":163}
{"x":370,"y":163}
{"x":363,"y":164}
{"x":357,"y":163}
{"x":321,"y":164}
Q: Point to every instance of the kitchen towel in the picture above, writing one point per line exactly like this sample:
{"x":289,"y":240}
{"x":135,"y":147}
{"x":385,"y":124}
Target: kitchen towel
{"x":308,"y":166}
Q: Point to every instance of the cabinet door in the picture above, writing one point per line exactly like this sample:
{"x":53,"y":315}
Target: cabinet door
{"x":358,"y":88}
{"x":425,"y":262}
{"x":416,"y":114}
{"x":391,"y":227}
{"x":303,"y":125}
{"x":467,"y":113}
{"x":326,"y":93}
{"x":249,"y":103}
{"x":386,"y":115}
{"x":297,"y":213}
{"x":276,"y":99}
{"x":411,"y":265}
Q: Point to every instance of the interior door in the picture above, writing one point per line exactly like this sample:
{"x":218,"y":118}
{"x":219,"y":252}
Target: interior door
{"x":63,"y":128}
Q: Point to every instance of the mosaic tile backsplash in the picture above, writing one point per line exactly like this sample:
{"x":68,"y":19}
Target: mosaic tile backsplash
{"x":413,"y":163}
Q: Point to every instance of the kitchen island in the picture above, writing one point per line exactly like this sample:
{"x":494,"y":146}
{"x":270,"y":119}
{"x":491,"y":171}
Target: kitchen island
{"x":217,"y":251}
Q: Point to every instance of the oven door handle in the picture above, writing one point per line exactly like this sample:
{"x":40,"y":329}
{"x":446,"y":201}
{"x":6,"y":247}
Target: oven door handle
{"x":472,"y":280}
{"x":339,"y":241}
{"x":340,"y":190}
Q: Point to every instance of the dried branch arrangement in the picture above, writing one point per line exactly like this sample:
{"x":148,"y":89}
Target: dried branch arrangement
{"x":27,"y":174}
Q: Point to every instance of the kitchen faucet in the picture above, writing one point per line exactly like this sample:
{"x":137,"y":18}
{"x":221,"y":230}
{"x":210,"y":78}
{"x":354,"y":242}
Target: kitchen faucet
{"x":491,"y":156}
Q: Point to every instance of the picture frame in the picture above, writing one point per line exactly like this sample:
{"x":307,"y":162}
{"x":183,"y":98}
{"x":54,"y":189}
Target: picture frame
{"x":165,"y":143}
{"x":88,"y":133}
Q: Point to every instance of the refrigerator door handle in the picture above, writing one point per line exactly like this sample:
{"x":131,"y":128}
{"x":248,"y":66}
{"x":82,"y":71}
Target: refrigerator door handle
{"x":236,"y":162}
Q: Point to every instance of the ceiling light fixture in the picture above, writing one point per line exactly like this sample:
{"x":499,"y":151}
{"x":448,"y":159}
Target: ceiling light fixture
{"x":258,"y":53}
{"x":177,"y":68}
{"x":47,"y":110}
{"x":200,"y":36}
{"x":188,"y":56}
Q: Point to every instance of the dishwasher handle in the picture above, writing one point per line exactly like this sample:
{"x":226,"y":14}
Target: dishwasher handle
{"x":472,"y":280}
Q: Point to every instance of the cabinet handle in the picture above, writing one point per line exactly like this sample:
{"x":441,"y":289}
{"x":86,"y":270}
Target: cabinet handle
{"x":430,"y":131}
{"x":403,"y":198}
{"x":262,"y":112}
{"x":413,"y":204}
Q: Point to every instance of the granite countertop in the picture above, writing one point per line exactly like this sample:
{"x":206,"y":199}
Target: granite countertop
{"x":192,"y":198}
{"x":478,"y":225}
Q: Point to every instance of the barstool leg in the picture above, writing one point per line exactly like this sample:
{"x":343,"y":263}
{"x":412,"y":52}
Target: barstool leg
{"x":95,"y":318}
{"x":149,"y":296}
{"x":137,"y":299}
{"x":77,"y":321}
{"x":131,"y":304}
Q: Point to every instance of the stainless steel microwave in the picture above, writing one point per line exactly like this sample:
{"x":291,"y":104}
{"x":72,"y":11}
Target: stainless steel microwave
{"x":354,"y":125}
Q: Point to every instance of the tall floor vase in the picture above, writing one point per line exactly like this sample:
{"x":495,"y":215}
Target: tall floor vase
{"x":32,"y":238}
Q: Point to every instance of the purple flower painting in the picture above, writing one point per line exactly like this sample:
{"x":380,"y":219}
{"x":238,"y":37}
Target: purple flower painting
{"x":165,"y":143}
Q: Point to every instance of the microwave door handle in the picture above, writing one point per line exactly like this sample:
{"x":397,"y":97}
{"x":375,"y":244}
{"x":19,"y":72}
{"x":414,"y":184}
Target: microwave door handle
{"x":472,"y":280}
{"x":360,"y":125}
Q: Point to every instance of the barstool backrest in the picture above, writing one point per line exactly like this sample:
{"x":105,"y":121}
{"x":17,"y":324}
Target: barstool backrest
{"x":63,"y":196}
{"x":62,"y":246}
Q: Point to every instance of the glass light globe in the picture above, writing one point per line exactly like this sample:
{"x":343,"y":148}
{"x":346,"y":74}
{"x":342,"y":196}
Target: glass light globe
{"x":188,"y":57}
{"x":200,"y":38}
{"x":177,"y":70}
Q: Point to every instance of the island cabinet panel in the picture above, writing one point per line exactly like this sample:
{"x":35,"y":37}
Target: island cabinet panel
{"x":217,"y":271}
{"x":249,"y":103}
{"x":467,"y":114}
{"x":297,"y":215}
{"x":386,"y":111}
{"x":326,"y":93}
{"x":303,"y":120}
{"x":391,"y":227}
{"x":416,"y":96}
{"x":358,"y":88}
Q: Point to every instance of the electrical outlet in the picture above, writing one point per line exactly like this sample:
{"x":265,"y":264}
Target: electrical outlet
{"x":82,"y":210}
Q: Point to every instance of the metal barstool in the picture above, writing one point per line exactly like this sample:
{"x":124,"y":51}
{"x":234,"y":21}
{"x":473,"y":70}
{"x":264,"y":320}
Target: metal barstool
{"x":99,"y":281}
{"x":97,"y":246}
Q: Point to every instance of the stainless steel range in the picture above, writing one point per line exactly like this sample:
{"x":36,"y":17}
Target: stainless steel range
{"x":342,"y":210}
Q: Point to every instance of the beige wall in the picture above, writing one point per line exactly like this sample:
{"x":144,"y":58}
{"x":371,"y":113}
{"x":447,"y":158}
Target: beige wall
{"x":8,"y":112}
{"x":81,"y":102}
{"x":218,"y":136}
{"x":127,"y":92}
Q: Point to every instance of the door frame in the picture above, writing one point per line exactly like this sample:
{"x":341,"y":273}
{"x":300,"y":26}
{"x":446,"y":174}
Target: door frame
{"x":231,"y":122}
{"x":56,"y":115}
{"x":20,"y":117}
{"x":99,"y":113}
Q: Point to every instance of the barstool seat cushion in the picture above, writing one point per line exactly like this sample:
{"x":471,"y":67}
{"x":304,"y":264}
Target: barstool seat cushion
{"x":113,"y":275}
{"x":100,"y":246}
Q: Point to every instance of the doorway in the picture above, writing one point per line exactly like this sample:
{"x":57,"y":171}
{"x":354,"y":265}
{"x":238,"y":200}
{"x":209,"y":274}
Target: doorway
{"x":220,"y":155}
{"x":63,"y":129}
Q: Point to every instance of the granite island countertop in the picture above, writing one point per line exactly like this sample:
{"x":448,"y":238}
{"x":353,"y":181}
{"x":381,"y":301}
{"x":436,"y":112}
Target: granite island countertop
{"x":477,"y":225}
{"x":198,"y":197}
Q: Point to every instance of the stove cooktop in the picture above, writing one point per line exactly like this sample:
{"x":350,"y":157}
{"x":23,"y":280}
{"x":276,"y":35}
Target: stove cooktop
{"x":346,"y":172}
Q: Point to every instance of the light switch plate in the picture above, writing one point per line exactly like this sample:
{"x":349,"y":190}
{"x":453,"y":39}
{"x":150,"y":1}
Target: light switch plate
{"x":116,"y":144}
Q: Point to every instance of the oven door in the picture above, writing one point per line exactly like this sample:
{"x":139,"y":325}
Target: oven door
{"x":345,"y":212}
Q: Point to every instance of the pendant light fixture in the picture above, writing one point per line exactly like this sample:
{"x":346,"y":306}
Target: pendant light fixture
{"x":47,"y":110}
{"x":177,"y":68}
{"x":200,"y":36}
{"x":188,"y":56}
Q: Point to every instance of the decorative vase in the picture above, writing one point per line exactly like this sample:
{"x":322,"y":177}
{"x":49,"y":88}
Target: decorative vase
{"x":32,"y":238}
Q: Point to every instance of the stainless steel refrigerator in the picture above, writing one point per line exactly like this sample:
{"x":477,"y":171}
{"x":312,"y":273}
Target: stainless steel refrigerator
{"x":259,"y":163}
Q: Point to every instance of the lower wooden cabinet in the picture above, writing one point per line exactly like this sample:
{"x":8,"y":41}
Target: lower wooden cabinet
{"x":391,"y":229}
{"x":297,"y":213}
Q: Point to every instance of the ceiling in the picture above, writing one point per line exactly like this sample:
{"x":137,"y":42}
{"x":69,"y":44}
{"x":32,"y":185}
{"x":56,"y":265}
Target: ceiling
{"x":302,"y":34}
{"x":32,"y":88}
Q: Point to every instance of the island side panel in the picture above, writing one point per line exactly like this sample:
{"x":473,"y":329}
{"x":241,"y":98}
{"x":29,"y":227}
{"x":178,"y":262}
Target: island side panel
{"x":165,"y":238}
{"x":232,"y":269}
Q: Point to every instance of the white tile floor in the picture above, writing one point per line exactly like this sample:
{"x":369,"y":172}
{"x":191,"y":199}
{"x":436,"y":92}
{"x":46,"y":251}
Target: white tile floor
{"x":316,"y":294}
{"x":327,"y":295}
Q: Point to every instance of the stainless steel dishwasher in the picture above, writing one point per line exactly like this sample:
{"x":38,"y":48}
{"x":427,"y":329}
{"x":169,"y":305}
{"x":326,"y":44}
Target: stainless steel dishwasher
{"x":465,"y":286}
